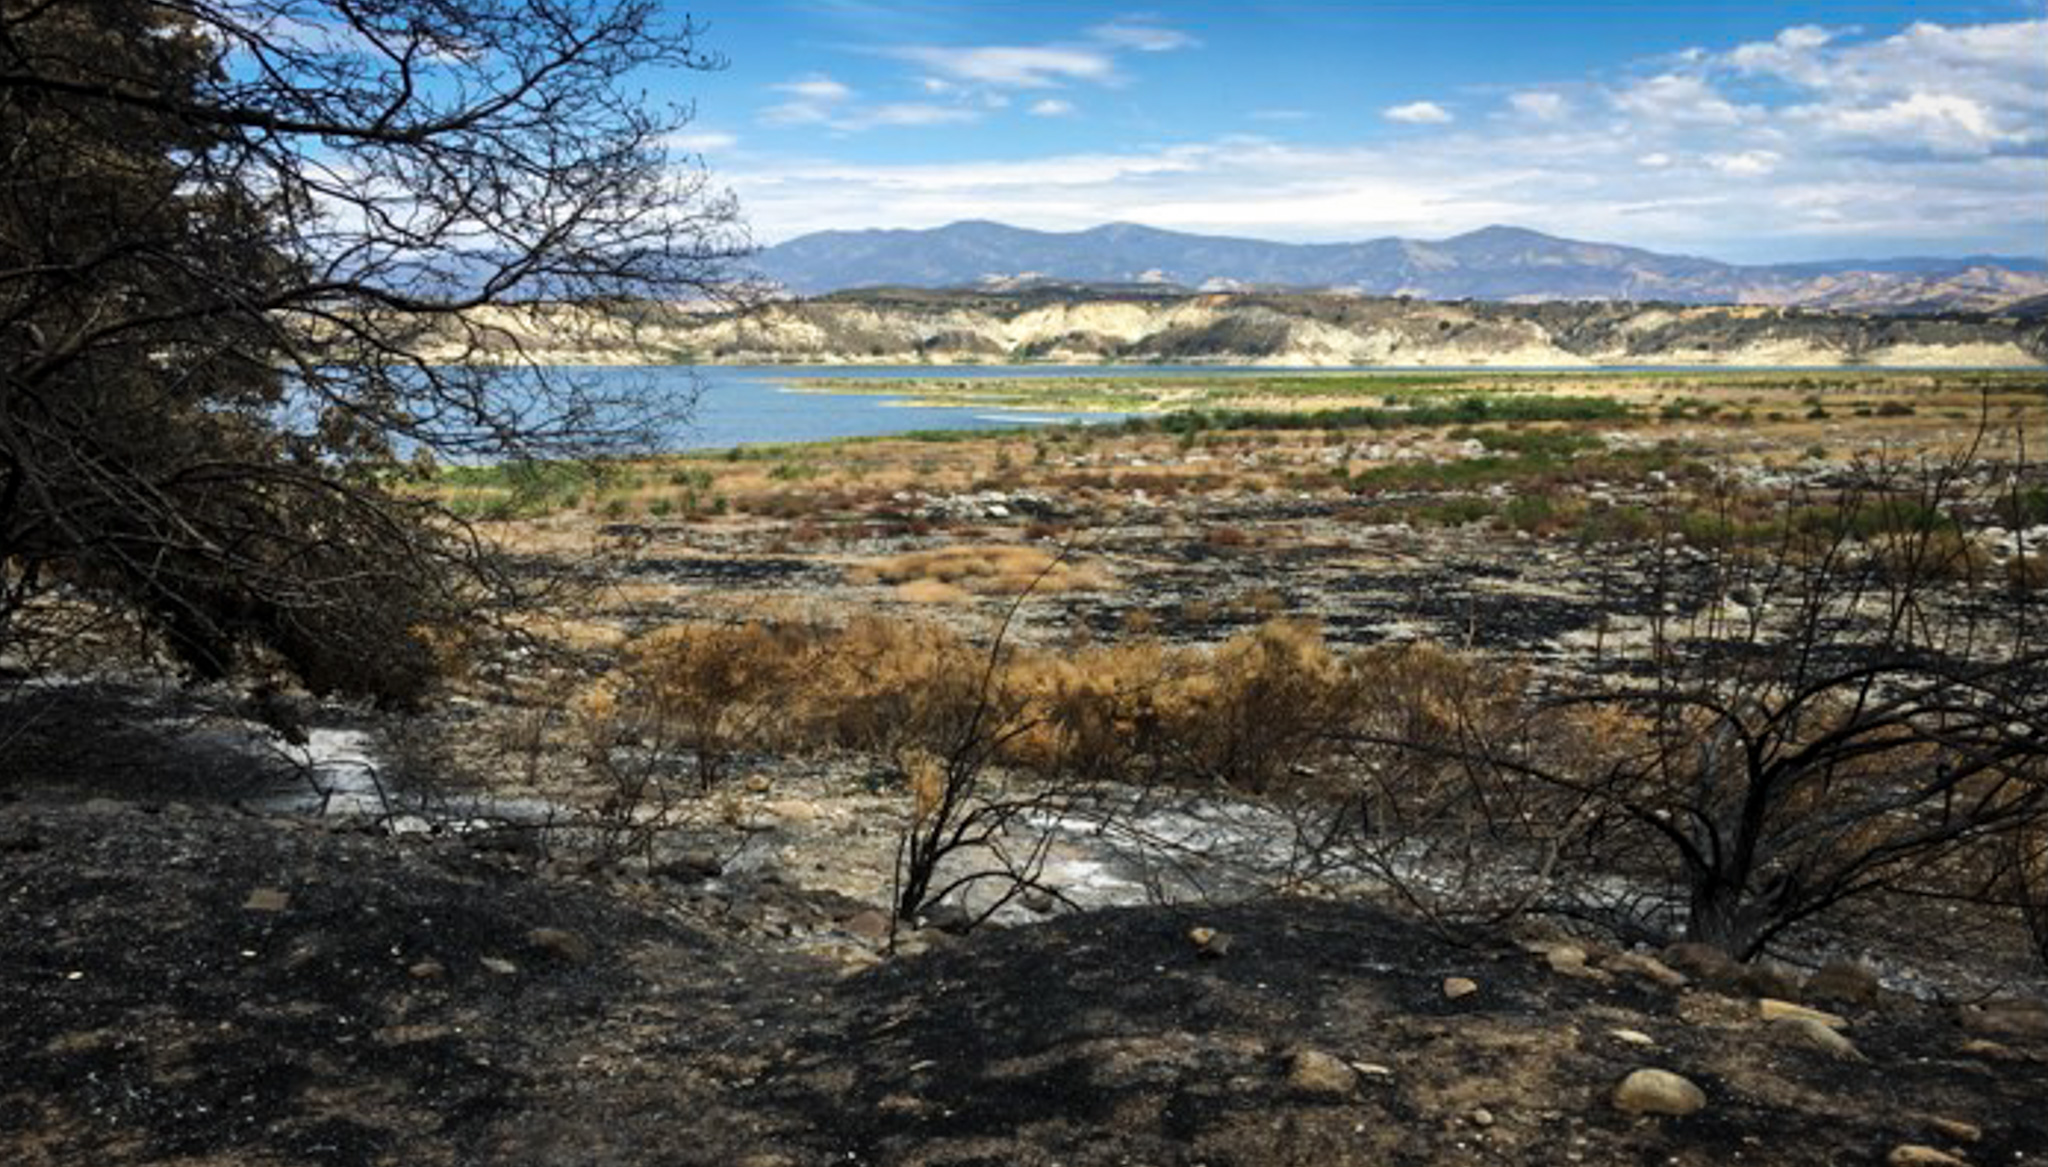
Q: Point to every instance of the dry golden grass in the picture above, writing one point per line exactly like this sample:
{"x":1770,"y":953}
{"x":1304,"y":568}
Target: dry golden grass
{"x":983,"y":569}
{"x":1243,"y":713}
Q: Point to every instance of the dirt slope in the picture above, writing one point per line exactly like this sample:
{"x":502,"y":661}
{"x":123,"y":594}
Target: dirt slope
{"x":197,"y":986}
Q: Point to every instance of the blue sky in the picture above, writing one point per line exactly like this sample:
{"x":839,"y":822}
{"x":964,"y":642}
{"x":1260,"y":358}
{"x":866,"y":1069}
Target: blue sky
{"x":1745,"y":131}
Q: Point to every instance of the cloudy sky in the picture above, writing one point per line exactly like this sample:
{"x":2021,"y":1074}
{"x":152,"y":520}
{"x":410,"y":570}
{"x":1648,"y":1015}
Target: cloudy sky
{"x":1743,"y":130}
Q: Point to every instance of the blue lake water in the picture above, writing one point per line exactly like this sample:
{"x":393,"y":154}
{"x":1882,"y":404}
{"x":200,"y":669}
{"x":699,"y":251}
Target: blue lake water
{"x":742,"y":405}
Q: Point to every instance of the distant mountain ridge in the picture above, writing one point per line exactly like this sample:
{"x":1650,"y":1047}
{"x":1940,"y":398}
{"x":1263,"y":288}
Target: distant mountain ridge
{"x":1493,"y":263}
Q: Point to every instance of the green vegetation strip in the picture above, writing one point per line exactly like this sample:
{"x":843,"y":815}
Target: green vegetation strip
{"x":1163,"y":391}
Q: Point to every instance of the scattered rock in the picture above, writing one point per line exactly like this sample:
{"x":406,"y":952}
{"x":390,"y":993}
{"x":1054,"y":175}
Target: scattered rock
{"x":1373,"y":1069}
{"x":1770,"y":980}
{"x":2012,"y":1018}
{"x":1651,"y":1091}
{"x":1481,"y":1117}
{"x":1209,"y":943}
{"x":1815,"y":1035}
{"x":1842,"y":983}
{"x":267,"y":899}
{"x":1647,"y":967}
{"x":1570,"y":960}
{"x":427,"y":970}
{"x":870,"y":924}
{"x":792,"y":810}
{"x":1772,"y":1009}
{"x":1960,"y":1130}
{"x":1632,"y":1037}
{"x":1311,"y":1071}
{"x":498,"y":965}
{"x":1984,"y":1047}
{"x":949,"y":918}
{"x":560,"y":944}
{"x":1704,"y":962}
{"x":691,"y":867}
{"x":1915,"y":1155}
{"x":1457,"y":988}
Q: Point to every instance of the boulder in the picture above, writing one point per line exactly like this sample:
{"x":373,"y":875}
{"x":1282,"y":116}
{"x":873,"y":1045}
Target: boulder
{"x":1652,"y":1091}
{"x":1816,"y":1035}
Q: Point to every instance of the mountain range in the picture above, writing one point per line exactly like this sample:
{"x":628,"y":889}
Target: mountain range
{"x":1493,"y":263}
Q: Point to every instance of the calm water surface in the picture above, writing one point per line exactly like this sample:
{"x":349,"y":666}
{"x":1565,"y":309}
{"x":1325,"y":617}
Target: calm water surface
{"x":739,"y":405}
{"x":744,"y":404}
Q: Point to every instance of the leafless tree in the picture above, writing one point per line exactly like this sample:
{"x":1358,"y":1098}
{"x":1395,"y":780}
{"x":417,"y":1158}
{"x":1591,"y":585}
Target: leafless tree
{"x":1854,"y":707}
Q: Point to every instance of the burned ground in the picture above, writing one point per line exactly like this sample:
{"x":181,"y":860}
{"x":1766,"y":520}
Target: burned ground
{"x":406,"y":1001}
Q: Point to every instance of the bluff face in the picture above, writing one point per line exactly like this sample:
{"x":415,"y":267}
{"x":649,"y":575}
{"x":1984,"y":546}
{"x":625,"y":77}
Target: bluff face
{"x":1087,"y":326}
{"x":1495,"y":263}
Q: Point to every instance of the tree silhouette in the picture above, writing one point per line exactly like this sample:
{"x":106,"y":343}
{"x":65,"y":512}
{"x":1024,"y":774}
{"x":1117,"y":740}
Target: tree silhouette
{"x":226,"y":228}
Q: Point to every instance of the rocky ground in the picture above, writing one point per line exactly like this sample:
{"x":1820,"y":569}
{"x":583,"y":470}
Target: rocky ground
{"x":200,"y":969}
{"x":192,"y":984}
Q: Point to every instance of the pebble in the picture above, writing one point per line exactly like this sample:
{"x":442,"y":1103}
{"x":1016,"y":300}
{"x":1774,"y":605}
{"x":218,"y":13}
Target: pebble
{"x":1962,"y":1131}
{"x":1772,"y":1009}
{"x":1915,"y":1155}
{"x":427,"y":970}
{"x":267,"y":899}
{"x":1651,"y":1091}
{"x":1313,"y":1071}
{"x":1632,"y":1036}
{"x":1456,"y":988}
{"x":561,"y":944}
{"x":1815,"y":1035}
{"x":868,"y":924}
{"x":498,"y":965}
{"x":1647,"y":967}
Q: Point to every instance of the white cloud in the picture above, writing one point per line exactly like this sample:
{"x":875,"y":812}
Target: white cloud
{"x":1419,"y":113}
{"x":1944,"y":90}
{"x":1746,"y":163}
{"x":1051,"y":107}
{"x":700,"y":141}
{"x":908,"y":113}
{"x":812,"y":101}
{"x":1142,"y":36}
{"x":1539,"y":104}
{"x":821,"y":101}
{"x":1677,"y":98}
{"x":1932,"y":134}
{"x":1018,"y":66}
{"x":1943,"y":122}
{"x":816,"y":87}
{"x":1790,"y":54}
